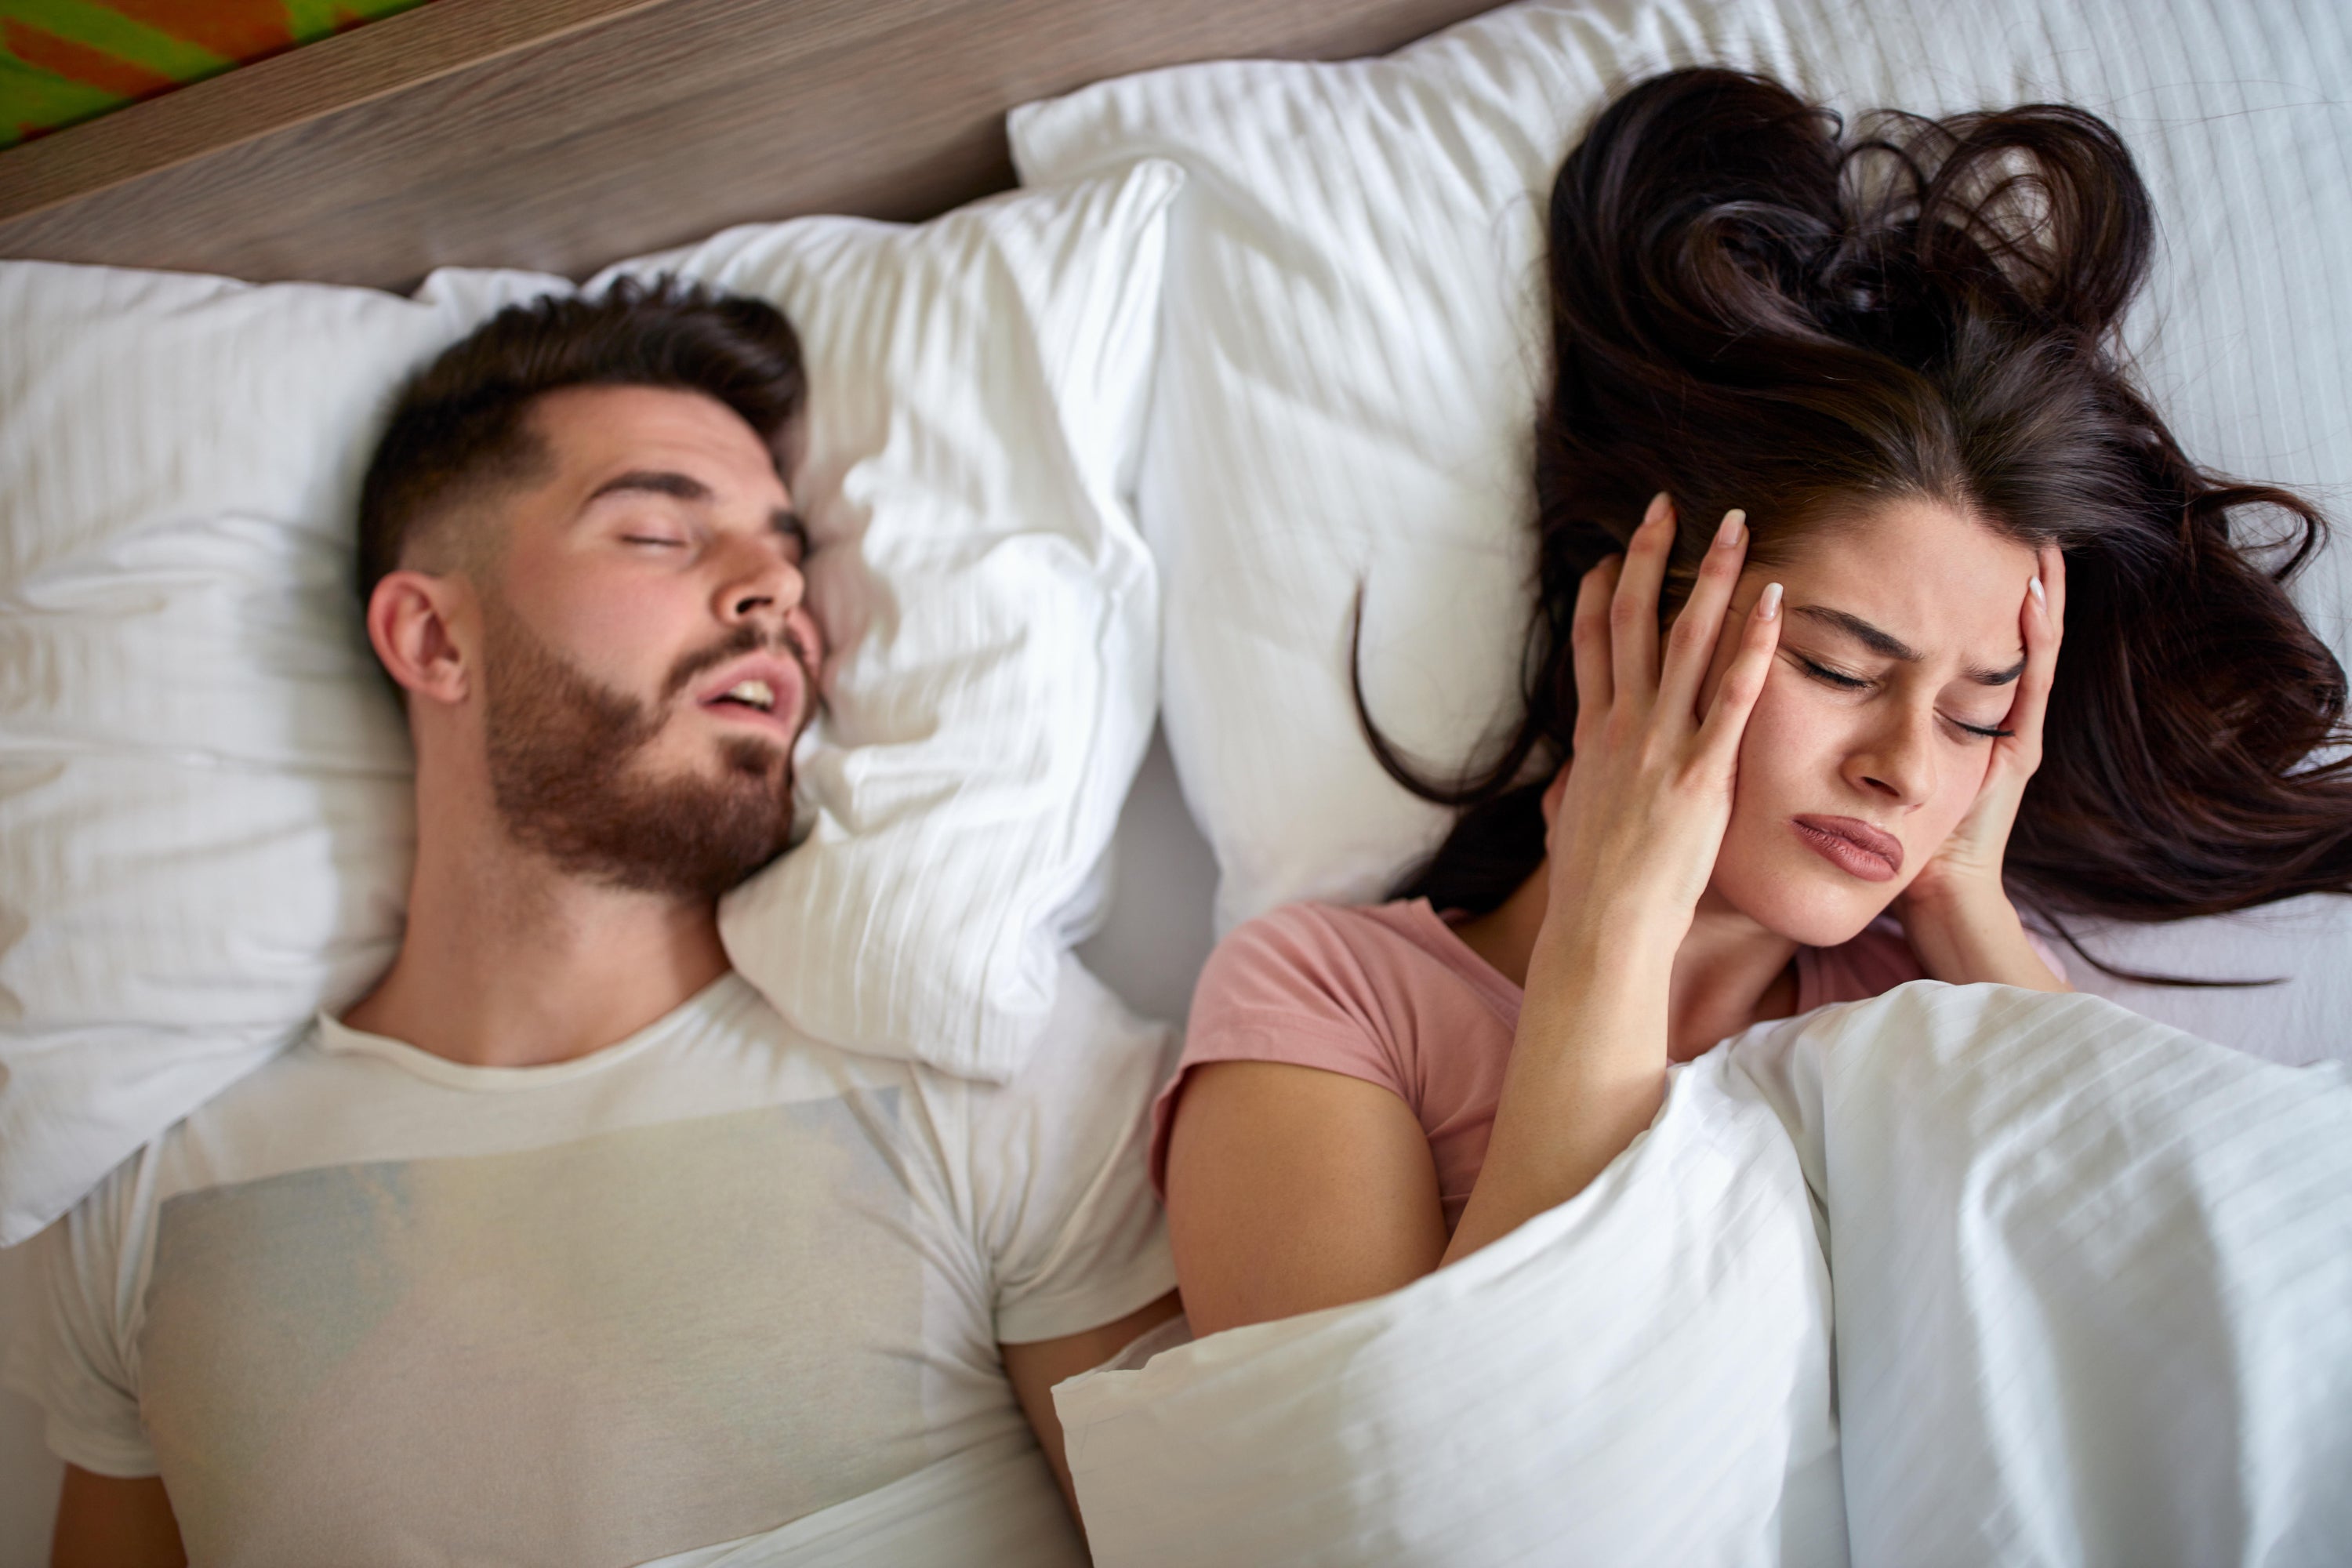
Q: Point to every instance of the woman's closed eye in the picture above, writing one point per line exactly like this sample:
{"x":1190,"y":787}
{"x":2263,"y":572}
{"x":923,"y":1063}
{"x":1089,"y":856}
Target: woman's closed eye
{"x":1842,"y":682}
{"x":1828,"y":676}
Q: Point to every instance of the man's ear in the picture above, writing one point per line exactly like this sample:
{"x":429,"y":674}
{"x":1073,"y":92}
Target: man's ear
{"x":412,"y":619}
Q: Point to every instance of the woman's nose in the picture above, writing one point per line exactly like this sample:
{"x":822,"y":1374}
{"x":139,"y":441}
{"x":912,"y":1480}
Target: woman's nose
{"x":1899,"y":762}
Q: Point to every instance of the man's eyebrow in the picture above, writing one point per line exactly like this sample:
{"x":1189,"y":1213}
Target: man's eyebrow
{"x":1883,"y":642}
{"x":657,"y":482}
{"x":686,"y":488}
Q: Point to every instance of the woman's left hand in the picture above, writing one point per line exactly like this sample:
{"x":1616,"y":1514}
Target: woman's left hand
{"x":1957,"y":911}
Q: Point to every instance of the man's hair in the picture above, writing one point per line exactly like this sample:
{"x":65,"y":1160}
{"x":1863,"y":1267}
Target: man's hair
{"x":462,"y":427}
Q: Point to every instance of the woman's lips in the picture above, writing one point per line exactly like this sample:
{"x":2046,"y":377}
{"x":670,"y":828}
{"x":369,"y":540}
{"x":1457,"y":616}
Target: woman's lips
{"x":1851,"y":846}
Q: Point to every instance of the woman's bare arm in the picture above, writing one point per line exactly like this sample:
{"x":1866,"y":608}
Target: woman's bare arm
{"x":1291,"y":1189}
{"x":1636,"y":821}
{"x":1587,"y":1072}
{"x":1967,"y":941}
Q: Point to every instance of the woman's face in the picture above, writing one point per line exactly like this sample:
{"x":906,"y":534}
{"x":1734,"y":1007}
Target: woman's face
{"x":1899,"y":644}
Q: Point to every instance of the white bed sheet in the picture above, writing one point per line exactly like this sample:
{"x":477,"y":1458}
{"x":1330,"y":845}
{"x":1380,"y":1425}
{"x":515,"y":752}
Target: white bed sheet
{"x":2091,"y":1281}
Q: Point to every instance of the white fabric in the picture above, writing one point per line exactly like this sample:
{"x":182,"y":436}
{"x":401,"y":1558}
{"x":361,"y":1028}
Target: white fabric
{"x":2093,"y":1304}
{"x":204,"y":823}
{"x":697,"y":1284}
{"x":1638,"y":1377}
{"x":1353,"y":349}
{"x":985,"y":1505}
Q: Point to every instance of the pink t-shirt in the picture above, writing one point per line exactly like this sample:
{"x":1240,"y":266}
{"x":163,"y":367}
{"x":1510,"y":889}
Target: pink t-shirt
{"x":1391,"y":996}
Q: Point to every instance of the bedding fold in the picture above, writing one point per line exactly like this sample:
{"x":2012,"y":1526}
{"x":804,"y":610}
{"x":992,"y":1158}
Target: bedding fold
{"x":1639,"y":1376}
{"x":2093,"y":1303}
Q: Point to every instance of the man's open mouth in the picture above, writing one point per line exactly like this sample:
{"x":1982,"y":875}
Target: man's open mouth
{"x":768,"y":689}
{"x":754,"y":693}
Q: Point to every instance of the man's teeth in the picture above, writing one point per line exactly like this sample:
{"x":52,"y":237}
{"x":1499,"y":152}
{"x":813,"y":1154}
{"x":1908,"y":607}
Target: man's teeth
{"x":754,"y":693}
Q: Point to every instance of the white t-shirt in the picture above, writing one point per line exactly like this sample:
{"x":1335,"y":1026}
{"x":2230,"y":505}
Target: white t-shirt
{"x":371,"y":1304}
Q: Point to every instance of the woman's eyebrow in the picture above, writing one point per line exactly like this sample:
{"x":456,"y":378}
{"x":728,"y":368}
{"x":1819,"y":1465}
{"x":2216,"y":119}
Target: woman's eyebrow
{"x":1861,"y":631}
{"x":1880,"y":641}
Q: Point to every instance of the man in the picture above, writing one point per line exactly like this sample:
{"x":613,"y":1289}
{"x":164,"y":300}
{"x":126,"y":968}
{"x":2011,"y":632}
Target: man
{"x":561,"y":1245}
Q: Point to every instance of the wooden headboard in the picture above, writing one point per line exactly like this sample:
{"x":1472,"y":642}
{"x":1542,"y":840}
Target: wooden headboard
{"x":561,"y":134}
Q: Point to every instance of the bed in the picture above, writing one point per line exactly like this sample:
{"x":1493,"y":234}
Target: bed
{"x":621,"y":127}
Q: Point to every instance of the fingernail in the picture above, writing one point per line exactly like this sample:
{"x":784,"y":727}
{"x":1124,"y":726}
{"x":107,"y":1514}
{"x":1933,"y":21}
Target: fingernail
{"x":2035,"y":588}
{"x":1657,"y":508}
{"x":1769,"y":605}
{"x":1734,"y":526}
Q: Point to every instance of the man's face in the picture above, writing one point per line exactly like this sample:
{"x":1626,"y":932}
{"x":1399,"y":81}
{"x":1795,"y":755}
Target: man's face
{"x":648,"y":658}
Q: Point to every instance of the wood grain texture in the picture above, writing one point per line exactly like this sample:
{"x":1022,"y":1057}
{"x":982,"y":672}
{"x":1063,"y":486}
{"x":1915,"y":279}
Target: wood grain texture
{"x":273,"y":94}
{"x":646,"y":125}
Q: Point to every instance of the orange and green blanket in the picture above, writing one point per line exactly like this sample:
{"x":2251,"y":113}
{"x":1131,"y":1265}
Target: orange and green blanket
{"x":67,"y":60}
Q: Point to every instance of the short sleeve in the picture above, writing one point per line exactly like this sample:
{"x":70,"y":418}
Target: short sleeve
{"x":71,"y":1353}
{"x":1282,"y":988}
{"x":1065,"y":1210}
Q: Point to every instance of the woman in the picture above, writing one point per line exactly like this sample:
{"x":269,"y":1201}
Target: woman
{"x":1833,"y":425}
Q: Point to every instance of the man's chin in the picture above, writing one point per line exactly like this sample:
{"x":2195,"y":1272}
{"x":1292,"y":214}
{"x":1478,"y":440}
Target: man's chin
{"x":621,"y":793}
{"x":756,"y":758}
{"x":691,"y":836}
{"x":718,"y":835}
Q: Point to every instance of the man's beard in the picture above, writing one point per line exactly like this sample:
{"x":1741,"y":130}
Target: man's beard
{"x":565,"y":763}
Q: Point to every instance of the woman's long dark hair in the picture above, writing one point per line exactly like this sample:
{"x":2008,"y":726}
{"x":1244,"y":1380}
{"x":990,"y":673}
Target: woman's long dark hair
{"x":1750,"y":308}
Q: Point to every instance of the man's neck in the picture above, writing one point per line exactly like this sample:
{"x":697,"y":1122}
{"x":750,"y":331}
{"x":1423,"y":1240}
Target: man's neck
{"x":510,"y":963}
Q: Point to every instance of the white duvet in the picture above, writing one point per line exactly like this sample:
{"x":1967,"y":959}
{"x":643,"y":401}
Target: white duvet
{"x":2092,"y":1304}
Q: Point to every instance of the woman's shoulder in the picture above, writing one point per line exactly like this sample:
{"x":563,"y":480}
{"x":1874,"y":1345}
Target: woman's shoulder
{"x":1323,"y":936}
{"x":1326,"y":947}
{"x":1312,"y":924}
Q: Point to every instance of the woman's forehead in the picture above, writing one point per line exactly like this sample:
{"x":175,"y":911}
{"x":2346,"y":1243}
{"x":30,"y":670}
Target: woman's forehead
{"x":1923,"y":573}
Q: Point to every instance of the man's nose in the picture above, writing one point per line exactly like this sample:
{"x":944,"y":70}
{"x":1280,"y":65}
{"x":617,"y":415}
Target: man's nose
{"x":760,"y":584}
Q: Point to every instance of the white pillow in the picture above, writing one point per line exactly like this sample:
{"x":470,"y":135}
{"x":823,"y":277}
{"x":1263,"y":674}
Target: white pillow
{"x":1354,"y":329}
{"x":204,"y":810}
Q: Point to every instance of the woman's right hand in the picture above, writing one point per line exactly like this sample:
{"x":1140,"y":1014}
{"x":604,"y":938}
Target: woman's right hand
{"x":1637,"y":816}
{"x":1636,"y":819}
